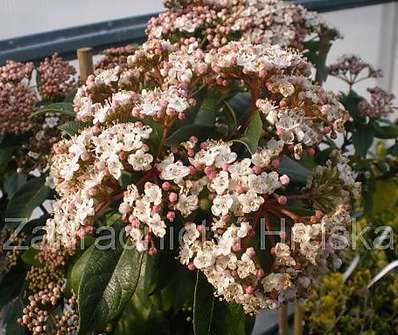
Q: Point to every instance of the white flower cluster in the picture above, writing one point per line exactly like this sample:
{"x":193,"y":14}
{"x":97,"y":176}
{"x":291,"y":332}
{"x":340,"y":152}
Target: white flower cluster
{"x":143,"y":214}
{"x":214,"y":23}
{"x":84,"y":165}
{"x":236,"y":272}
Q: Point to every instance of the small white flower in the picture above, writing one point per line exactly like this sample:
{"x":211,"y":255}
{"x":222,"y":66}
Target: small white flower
{"x":140,"y":161}
{"x":222,"y":204}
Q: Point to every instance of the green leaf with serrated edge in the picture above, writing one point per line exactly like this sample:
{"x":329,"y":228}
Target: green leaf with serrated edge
{"x":362,"y":139}
{"x":203,"y":306}
{"x":65,"y":108}
{"x":29,"y":257}
{"x":294,"y":170}
{"x":252,"y":134}
{"x":107,"y":283}
{"x":31,"y":195}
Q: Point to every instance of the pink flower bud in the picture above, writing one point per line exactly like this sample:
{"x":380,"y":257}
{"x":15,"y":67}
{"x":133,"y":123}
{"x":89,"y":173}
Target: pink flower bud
{"x":173,"y":197}
{"x":311,"y":152}
{"x":170,"y":216}
{"x":236,"y":247}
{"x":260,"y":273}
{"x":249,"y":289}
{"x":257,"y":169}
{"x":276,"y":163}
{"x":166,"y":186}
{"x":250,"y":252}
{"x":191,"y":267}
{"x":282,"y":200}
{"x":152,"y":251}
{"x":225,"y":167}
{"x":285,"y":180}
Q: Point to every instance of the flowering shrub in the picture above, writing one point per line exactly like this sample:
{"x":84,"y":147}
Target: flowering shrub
{"x":194,"y":187}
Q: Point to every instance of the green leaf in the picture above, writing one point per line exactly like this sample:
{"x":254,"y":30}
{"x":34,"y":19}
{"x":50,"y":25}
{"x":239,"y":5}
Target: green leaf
{"x":6,"y":154}
{"x":393,"y":150}
{"x":73,"y":128}
{"x":29,"y":257}
{"x":350,"y":101}
{"x":385,"y":132}
{"x":108,"y":281}
{"x":184,"y":133}
{"x":12,"y":327}
{"x":75,"y":271}
{"x":203,"y":306}
{"x":294,"y":170}
{"x":362,"y":139}
{"x":31,"y":195}
{"x":159,"y":271}
{"x":12,"y":284}
{"x":13,"y":183}
{"x":240,"y":105}
{"x":65,"y":108}
{"x":230,"y":319}
{"x":206,"y":114}
{"x":252,"y":134}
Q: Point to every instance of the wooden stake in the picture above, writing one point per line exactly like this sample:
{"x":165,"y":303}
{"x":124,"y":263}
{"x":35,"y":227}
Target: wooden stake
{"x":86,"y":67}
{"x":298,"y":319}
{"x":282,"y":320}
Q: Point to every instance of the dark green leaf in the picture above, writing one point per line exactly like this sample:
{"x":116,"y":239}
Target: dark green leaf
{"x":12,"y":327}
{"x":252,"y":134}
{"x":29,"y":257}
{"x":6,"y":154}
{"x":203,"y":306}
{"x":230,"y":319}
{"x":241,"y":106}
{"x":385,"y":132}
{"x":13,"y":183}
{"x":108,"y":281}
{"x":31,"y":195}
{"x":294,"y":170}
{"x":350,"y":101}
{"x":393,"y":150}
{"x":362,"y":139}
{"x":72,"y":128}
{"x":184,"y":133}
{"x":65,"y":108}
{"x":206,"y":114}
{"x":11,"y":284}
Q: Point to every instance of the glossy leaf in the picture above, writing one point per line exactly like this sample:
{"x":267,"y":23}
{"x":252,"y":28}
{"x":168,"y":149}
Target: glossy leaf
{"x":108,"y":281}
{"x":184,"y":133}
{"x":385,"y":132}
{"x":362,"y":139}
{"x":11,"y":284}
{"x":294,"y":170}
{"x":206,"y":114}
{"x":31,"y":195}
{"x":203,"y":306}
{"x":252,"y":134}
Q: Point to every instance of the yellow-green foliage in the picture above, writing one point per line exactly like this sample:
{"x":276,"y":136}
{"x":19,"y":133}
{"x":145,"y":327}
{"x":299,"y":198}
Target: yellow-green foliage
{"x":350,"y":308}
